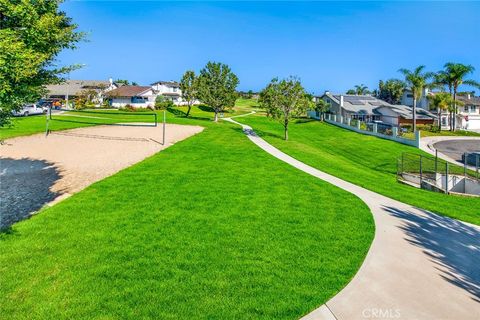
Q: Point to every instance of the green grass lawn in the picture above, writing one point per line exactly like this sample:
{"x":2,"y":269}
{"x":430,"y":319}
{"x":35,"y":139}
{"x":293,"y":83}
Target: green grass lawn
{"x":367,"y":161}
{"x":210,"y":228}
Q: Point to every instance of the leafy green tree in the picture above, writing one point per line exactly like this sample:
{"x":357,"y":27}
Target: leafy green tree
{"x":217,"y":87}
{"x":416,"y":81}
{"x":189,"y":85}
{"x":391,"y":90}
{"x":32,"y":34}
{"x":284,"y":99}
{"x":351,"y":91}
{"x":359,"y":90}
{"x":453,"y":75}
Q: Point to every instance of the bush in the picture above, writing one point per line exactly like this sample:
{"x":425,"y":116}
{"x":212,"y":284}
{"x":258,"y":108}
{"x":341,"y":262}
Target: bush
{"x":162,"y":104}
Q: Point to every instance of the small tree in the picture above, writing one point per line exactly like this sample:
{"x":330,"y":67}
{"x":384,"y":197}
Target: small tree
{"x":284,"y":100}
{"x":440,"y":102}
{"x":359,"y":90}
{"x":321,"y":106}
{"x":217,"y":87}
{"x":188,"y":85}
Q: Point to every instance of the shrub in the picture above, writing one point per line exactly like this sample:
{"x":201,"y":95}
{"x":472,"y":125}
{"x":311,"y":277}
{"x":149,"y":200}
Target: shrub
{"x":161,"y":103}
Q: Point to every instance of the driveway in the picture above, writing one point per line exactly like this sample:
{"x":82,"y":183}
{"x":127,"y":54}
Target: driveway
{"x":450,"y":148}
{"x":456,"y":148}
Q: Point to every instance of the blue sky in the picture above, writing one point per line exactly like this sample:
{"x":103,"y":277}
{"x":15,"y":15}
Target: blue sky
{"x":329,"y":45}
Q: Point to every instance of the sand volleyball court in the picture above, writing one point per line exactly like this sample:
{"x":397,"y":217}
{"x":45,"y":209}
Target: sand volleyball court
{"x":38,"y":170}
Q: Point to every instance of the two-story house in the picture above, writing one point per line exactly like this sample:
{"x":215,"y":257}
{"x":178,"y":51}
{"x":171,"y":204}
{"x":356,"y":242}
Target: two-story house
{"x":168,"y":89}
{"x":469,"y":113}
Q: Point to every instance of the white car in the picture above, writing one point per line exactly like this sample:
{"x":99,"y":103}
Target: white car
{"x":30,"y":109}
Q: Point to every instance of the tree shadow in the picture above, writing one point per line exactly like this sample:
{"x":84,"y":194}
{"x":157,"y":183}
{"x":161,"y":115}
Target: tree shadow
{"x":24,"y":188}
{"x":452,"y":245}
{"x":205,"y":108}
{"x":177,"y":112}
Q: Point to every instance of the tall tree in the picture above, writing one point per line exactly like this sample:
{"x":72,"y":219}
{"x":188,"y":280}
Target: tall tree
{"x":453,"y":75}
{"x":416,"y":81}
{"x":188,"y":85}
{"x":32,"y":34}
{"x":217,"y":87}
{"x":283,"y":100}
{"x":391,"y":90}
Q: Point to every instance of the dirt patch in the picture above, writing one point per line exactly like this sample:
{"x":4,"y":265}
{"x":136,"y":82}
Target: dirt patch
{"x":66,"y":162}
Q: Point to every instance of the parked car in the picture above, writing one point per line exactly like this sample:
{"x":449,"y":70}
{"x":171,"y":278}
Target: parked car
{"x":30,"y":109}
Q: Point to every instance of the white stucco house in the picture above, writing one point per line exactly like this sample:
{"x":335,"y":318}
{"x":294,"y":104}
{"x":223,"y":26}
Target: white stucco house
{"x":169,"y":90}
{"x":136,"y":96}
{"x":468,"y":116}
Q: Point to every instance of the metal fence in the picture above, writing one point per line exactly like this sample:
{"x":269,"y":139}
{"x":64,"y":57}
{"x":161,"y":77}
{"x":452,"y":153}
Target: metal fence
{"x":437,"y":173}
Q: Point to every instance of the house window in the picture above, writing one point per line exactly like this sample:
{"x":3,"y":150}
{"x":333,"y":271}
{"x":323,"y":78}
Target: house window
{"x":139,"y":99}
{"x":409,"y":95}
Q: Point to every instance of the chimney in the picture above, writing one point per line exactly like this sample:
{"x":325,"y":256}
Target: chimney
{"x":327,"y":92}
{"x":468,"y":96}
{"x":341,"y":101}
{"x":110,"y":80}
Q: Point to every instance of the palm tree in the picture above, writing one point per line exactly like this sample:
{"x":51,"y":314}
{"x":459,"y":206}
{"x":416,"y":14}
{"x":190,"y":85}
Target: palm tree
{"x":453,"y":76}
{"x":440,"y":102}
{"x":361,"y":89}
{"x":416,"y":81}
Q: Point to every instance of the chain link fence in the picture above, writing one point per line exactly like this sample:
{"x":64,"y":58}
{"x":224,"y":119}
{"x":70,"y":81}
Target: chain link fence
{"x":436,"y":174}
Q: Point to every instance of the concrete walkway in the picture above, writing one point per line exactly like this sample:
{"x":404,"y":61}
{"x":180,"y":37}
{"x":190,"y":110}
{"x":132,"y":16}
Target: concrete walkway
{"x":420,"y":265}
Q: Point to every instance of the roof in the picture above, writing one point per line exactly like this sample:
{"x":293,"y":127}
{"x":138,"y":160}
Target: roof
{"x":172,"y":84}
{"x":364,"y":104}
{"x":472,"y":101}
{"x":407,"y":113}
{"x":128,"y":91}
{"x":173,"y":94}
{"x":74,"y":87}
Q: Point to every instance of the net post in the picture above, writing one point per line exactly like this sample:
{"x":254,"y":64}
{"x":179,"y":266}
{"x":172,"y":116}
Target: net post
{"x":164,"y":120}
{"x":48,"y":117}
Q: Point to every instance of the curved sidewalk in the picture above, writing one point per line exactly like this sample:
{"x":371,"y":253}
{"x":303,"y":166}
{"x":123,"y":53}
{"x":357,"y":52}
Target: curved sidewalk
{"x":420,"y":265}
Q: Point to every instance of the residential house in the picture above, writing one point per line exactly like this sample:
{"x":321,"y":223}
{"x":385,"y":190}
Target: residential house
{"x":368,"y":108}
{"x":468,"y":116}
{"x":169,"y":90}
{"x":71,"y":89}
{"x":136,"y":96}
